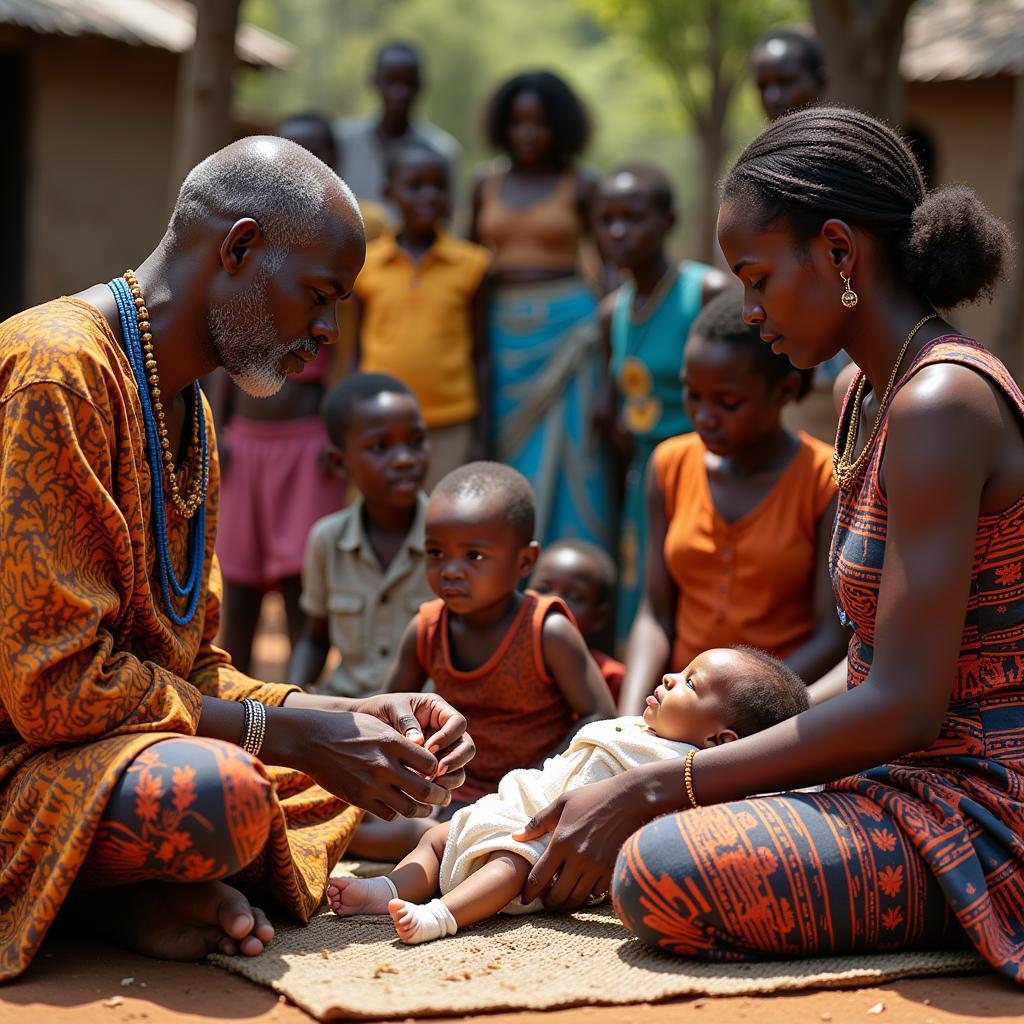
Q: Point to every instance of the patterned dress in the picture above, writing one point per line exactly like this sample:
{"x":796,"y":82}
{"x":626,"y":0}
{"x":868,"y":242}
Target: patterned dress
{"x":93,"y":674}
{"x":925,"y":850}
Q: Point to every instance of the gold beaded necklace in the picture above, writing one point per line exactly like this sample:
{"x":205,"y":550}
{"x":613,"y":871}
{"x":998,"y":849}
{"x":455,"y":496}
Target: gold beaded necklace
{"x":186,"y":506}
{"x":846,"y":470}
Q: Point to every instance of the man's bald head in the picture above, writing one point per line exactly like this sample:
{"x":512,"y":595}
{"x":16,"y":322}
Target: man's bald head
{"x":290,"y":241}
{"x":291,"y":194}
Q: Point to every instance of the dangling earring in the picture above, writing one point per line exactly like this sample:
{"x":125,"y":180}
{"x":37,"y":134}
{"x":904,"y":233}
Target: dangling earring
{"x":849,"y":296}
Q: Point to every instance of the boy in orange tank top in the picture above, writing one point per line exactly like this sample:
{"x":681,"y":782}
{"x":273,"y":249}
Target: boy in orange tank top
{"x":513,"y":663}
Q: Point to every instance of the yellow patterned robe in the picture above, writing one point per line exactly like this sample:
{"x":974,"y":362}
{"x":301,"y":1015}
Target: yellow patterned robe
{"x":91,"y":669}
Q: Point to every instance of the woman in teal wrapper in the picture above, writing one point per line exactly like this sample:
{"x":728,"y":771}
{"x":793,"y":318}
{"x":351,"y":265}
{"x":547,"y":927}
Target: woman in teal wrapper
{"x":646,"y":322}
{"x":534,"y":211}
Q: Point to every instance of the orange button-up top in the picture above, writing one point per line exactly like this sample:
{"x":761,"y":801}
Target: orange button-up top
{"x":751,"y":581}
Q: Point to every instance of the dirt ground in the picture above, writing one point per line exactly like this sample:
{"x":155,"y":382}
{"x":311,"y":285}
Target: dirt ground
{"x":79,"y":980}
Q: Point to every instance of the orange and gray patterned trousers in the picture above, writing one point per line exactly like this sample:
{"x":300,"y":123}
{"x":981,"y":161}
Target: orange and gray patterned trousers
{"x":805,"y":874}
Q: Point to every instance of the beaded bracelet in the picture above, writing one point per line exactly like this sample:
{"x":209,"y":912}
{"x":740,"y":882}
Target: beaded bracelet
{"x":254,"y":726}
{"x":688,"y":778}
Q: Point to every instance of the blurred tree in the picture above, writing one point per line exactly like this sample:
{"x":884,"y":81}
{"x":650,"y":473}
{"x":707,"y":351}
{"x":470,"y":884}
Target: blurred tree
{"x":704,"y":47}
{"x":862,"y":41}
{"x":202,"y":121}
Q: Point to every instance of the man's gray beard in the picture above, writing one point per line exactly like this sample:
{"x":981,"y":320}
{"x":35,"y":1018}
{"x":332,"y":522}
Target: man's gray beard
{"x":246,"y":344}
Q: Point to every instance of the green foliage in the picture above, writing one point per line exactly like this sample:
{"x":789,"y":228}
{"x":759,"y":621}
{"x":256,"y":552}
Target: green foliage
{"x":470,"y":46}
{"x":700,"y":44}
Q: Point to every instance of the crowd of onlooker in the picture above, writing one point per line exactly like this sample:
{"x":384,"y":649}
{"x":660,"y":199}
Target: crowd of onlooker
{"x":675,"y":507}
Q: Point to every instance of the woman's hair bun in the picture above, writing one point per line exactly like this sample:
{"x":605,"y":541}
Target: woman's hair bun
{"x":956,"y":250}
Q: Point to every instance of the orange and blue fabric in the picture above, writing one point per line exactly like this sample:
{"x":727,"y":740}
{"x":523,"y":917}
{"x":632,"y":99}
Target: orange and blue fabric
{"x":928,"y":850}
{"x":100,"y":693}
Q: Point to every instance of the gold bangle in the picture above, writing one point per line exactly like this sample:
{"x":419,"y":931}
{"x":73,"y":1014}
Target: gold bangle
{"x":688,"y":779}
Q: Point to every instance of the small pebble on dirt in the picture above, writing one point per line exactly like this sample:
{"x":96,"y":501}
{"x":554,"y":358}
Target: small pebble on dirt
{"x":125,"y":982}
{"x":825,"y":1015}
{"x":877,"y":1008}
{"x":113,"y":1001}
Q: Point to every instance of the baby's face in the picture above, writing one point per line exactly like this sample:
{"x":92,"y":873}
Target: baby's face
{"x":692,"y":706}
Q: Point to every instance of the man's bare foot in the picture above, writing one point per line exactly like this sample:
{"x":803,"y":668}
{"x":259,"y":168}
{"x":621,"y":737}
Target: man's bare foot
{"x":177,"y":922}
{"x":349,"y":896}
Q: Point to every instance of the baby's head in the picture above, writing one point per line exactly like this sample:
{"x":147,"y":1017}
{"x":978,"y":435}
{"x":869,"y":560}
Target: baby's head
{"x":479,"y":536}
{"x":583,"y":576}
{"x":725,"y":694}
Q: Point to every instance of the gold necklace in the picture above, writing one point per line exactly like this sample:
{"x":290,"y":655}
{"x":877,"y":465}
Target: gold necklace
{"x":187,"y":506}
{"x":846,"y":470}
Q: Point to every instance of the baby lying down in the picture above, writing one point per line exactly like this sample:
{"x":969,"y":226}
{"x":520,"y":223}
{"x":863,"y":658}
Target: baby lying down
{"x":475,"y":860}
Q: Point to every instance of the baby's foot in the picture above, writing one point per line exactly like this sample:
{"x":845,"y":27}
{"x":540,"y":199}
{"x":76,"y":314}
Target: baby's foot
{"x":348,"y":896}
{"x":415,"y":923}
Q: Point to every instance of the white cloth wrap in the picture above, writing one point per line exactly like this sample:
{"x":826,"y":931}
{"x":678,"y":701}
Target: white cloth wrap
{"x":598,"y":751}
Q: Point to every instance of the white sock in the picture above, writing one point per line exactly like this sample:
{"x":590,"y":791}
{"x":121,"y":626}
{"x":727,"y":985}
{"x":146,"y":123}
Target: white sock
{"x":416,"y":923}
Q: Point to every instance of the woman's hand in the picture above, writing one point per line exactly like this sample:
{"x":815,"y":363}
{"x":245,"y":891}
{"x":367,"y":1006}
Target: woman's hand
{"x":589,"y":826}
{"x":416,"y":715}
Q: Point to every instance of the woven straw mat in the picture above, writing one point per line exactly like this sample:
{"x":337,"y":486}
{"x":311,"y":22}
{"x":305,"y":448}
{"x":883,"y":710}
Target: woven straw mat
{"x":356,"y":968}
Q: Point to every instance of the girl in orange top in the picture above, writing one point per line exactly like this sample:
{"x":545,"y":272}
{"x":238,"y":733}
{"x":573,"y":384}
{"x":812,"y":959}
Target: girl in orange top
{"x":740,"y":517}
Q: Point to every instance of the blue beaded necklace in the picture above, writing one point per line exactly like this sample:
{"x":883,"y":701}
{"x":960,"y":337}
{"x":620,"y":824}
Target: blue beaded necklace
{"x":191,"y":588}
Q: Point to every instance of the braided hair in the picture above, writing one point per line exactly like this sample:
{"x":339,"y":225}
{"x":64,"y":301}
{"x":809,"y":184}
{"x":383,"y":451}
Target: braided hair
{"x":826,"y":162}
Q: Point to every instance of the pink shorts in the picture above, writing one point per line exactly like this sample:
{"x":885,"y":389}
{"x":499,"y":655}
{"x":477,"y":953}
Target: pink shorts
{"x":271,"y":494}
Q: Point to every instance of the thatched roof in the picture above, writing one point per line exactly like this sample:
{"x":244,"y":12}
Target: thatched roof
{"x":163,"y":24}
{"x":947,"y":40}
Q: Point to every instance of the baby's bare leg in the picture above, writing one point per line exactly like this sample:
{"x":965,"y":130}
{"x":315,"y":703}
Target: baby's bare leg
{"x":415,"y":878}
{"x":488,"y":890}
{"x":480,"y":896}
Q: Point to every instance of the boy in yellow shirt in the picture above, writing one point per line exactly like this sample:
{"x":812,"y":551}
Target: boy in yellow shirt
{"x":421,"y":311}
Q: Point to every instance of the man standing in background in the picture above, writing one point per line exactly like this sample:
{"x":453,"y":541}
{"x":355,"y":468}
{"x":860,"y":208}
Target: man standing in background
{"x":364,"y":143}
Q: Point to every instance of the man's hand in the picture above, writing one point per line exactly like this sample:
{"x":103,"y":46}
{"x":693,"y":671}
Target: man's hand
{"x":364,"y":761}
{"x":419,"y":715}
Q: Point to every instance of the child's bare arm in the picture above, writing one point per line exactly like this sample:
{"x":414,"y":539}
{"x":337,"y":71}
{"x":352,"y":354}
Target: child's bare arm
{"x":407,"y":675}
{"x":575,"y":673}
{"x":482,"y":367}
{"x":310,"y":653}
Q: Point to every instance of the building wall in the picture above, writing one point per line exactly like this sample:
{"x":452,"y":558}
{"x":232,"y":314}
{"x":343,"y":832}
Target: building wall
{"x":969,"y":123}
{"x":99,"y":147}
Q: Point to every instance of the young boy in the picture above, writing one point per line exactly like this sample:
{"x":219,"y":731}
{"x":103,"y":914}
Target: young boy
{"x":513,"y":663}
{"x":363,"y":571}
{"x":583,"y":576}
{"x":646,"y":323}
{"x":421,"y":310}
{"x":482,"y":857}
